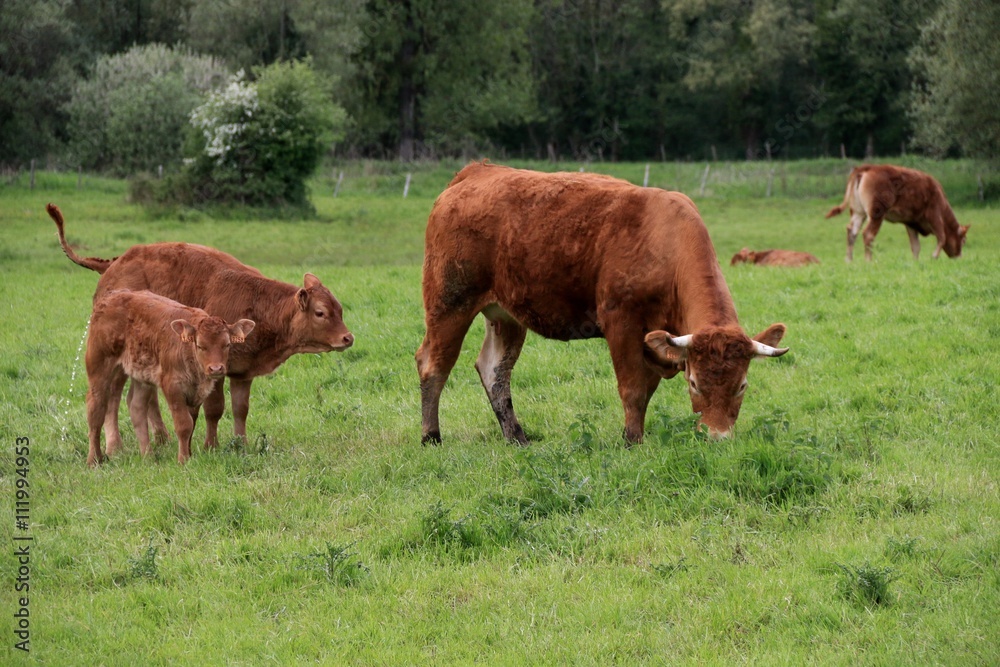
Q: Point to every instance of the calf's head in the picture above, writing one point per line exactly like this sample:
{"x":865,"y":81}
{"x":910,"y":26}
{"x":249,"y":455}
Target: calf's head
{"x":715,"y":362}
{"x":212,"y":338}
{"x":318,"y":324}
{"x":744,"y":255}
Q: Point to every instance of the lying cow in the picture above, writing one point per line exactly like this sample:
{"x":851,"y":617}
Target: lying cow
{"x":773,"y":257}
{"x":290,"y":320}
{"x":158,"y":343}
{"x":573,"y":255}
{"x":884,"y":192}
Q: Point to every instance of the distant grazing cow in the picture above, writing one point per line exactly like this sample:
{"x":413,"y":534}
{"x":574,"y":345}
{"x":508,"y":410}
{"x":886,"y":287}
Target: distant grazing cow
{"x":884,"y":192}
{"x":773,"y":257}
{"x":572,"y":255}
{"x":158,"y":343}
{"x":290,"y":320}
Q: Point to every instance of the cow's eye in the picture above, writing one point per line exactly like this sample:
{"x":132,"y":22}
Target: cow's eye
{"x":693,"y":386}
{"x":320,"y":313}
{"x":743,"y":388}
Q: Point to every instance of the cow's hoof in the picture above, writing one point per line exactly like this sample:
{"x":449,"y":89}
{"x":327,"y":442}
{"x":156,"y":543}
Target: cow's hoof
{"x":432,"y":438}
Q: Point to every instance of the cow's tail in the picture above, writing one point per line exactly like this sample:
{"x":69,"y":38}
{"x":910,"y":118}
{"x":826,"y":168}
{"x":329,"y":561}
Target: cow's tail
{"x":92,"y":263}
{"x":852,"y":182}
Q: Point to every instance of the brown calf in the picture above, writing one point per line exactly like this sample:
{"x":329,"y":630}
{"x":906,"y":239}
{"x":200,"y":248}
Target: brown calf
{"x":773,"y":257}
{"x":290,"y":320}
{"x":572,"y":255}
{"x":158,"y":343}
{"x":884,"y":192}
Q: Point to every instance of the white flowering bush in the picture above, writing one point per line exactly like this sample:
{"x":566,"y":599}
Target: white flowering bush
{"x":256,"y":142}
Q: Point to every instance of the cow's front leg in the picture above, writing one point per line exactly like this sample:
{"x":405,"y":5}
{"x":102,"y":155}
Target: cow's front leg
{"x":239,"y":394}
{"x":501,"y":348}
{"x":636,"y":381}
{"x":183,"y":426}
{"x":215,"y":406}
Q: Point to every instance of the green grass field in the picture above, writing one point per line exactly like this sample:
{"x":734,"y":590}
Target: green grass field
{"x":854,"y":519}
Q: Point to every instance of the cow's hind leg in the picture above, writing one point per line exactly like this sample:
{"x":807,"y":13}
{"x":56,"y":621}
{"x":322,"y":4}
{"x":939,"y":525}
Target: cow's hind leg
{"x":501,"y":348}
{"x":914,"y":241}
{"x":435,"y":359}
{"x":874,"y":225}
{"x":152,"y":411}
{"x":853,"y":229}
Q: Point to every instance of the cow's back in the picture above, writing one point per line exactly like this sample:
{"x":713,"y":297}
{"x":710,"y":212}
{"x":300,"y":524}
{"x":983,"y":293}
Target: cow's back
{"x":548,"y":248}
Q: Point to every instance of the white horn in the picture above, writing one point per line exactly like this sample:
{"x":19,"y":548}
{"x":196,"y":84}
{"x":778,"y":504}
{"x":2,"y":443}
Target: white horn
{"x":679,"y":341}
{"x":766,"y":350}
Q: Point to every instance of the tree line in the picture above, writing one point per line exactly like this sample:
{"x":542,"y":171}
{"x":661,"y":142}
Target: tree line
{"x":579,"y":79}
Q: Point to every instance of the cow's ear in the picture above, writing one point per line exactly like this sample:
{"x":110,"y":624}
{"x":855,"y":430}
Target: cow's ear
{"x":666,"y":359}
{"x":184,"y":329}
{"x":302,"y":297}
{"x":771,"y":335}
{"x":310,"y":281}
{"x":238,"y":332}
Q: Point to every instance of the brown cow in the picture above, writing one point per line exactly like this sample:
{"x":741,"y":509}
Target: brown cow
{"x":158,"y":343}
{"x":572,"y":255}
{"x":773,"y":257}
{"x":885,"y":192}
{"x":290,"y":320}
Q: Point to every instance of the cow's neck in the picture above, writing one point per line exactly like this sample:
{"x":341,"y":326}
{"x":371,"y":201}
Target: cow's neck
{"x":703,"y":298}
{"x":267,"y":346}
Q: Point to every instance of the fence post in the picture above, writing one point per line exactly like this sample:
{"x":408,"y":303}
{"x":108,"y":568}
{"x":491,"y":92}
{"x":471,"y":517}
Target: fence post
{"x":704,"y":178}
{"x":406,"y":188}
{"x":159,"y":172}
{"x":645,"y":179}
{"x":340,"y":179}
{"x":770,"y":180}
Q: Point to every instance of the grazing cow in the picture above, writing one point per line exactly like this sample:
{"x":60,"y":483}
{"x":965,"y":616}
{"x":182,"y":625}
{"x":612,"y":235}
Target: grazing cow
{"x":572,"y":255}
{"x":884,"y":192}
{"x":773,"y":257}
{"x":158,"y":343}
{"x":290,"y":320}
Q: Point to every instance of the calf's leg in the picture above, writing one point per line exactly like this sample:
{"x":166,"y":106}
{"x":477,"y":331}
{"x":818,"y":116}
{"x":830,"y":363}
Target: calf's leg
{"x":435,"y":358}
{"x":112,"y":434}
{"x":138,"y":408}
{"x":215,"y":406}
{"x":183,"y":426}
{"x":501,"y":348}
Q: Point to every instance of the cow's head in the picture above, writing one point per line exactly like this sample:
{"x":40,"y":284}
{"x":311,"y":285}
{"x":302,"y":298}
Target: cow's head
{"x":212,"y":338}
{"x":953,"y":243}
{"x":744,"y":255}
{"x":715,"y":362}
{"x":318,"y":326}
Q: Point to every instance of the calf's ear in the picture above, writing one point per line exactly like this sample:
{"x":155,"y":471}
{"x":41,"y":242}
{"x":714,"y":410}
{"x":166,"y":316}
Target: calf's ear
{"x":666,"y":359}
{"x":239,"y":331}
{"x":310,"y":281}
{"x":302,"y":298}
{"x":184,"y":329}
{"x":770,"y":337}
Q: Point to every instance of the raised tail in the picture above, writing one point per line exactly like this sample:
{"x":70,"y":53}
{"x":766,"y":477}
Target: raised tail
{"x":851,"y":184}
{"x":92,"y":263}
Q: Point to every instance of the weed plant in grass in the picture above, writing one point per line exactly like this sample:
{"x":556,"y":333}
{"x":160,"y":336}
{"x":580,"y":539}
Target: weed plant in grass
{"x":851,"y":518}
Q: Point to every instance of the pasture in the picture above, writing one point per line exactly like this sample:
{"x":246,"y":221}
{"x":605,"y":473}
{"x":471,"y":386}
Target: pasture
{"x":854,"y":518}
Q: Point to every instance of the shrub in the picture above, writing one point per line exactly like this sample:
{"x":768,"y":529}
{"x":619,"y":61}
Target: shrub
{"x":256,"y":142}
{"x":131,"y":114}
